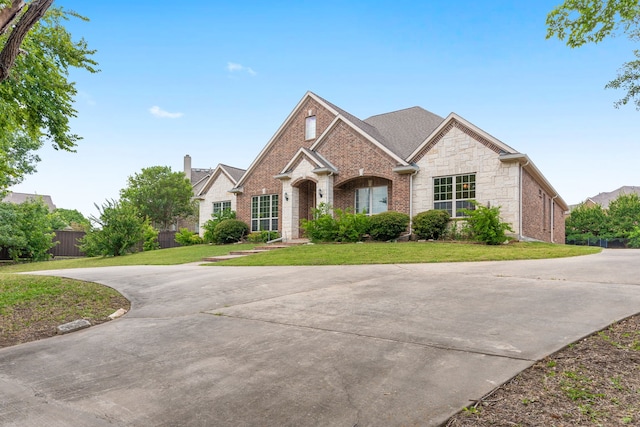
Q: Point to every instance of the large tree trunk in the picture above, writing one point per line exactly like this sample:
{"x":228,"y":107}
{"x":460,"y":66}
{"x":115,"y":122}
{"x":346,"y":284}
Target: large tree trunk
{"x":8,"y":14}
{"x":35,"y":11}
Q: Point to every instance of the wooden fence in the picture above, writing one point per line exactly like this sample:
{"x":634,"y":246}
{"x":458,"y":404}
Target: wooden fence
{"x":67,"y":245}
{"x":68,"y":242}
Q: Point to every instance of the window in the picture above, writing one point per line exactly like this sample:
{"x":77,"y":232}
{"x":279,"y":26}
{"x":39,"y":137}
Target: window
{"x":219,"y":207}
{"x":264,"y":213}
{"x":371,"y":200}
{"x":310,"y":127}
{"x":443,"y":193}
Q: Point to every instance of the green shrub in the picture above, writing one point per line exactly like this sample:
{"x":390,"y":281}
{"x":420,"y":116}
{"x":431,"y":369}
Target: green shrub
{"x":119,"y":230}
{"x":187,"y":238}
{"x":262,"y":236}
{"x":430,"y":224}
{"x":26,"y":230}
{"x":634,"y":237}
{"x":210,"y":226}
{"x":388,"y":225}
{"x":351,"y":227}
{"x":323,"y":227}
{"x":484,"y":225}
{"x":342,"y":226}
{"x":230,"y":231}
{"x":150,"y":238}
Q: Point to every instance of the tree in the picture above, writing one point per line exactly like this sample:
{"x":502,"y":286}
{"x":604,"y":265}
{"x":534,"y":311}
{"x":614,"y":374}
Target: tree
{"x":586,"y":222}
{"x":25,"y":230}
{"x":63,"y":218}
{"x":160,"y":195}
{"x":36,"y":97}
{"x":591,"y":21}
{"x":115,"y":232}
{"x":624,"y":215}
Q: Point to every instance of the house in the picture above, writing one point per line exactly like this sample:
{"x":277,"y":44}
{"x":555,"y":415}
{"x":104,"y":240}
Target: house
{"x":409,"y":161}
{"x":603,"y":199}
{"x":198,"y":177}
{"x":214,"y":196}
{"x":18,"y":198}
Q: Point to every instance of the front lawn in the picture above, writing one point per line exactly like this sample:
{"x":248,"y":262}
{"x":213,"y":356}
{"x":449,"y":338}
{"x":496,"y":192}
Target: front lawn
{"x":31,"y":307}
{"x":172,"y":256}
{"x":406,"y":253}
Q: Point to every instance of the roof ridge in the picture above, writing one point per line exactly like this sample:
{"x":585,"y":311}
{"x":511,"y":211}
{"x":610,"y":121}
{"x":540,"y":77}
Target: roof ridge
{"x":397,"y":111}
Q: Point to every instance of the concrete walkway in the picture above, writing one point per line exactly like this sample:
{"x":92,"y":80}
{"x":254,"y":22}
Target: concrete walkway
{"x":387,"y":345}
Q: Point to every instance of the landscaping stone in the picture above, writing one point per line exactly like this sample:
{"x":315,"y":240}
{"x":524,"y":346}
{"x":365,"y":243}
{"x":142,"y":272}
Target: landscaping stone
{"x":73,"y":326}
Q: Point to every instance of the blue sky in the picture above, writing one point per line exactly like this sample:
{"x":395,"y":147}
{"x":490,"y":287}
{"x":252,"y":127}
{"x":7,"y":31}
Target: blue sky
{"x":216,"y":80}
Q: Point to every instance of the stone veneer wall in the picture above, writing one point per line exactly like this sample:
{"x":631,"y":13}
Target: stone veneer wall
{"x":458,"y":153}
{"x":219,"y":192}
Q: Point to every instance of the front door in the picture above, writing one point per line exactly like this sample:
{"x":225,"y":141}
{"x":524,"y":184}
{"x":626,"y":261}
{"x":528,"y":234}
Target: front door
{"x":307,"y":202}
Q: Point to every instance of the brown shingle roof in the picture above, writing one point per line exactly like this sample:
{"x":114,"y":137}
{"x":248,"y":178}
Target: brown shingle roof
{"x":18,"y":198}
{"x":404,"y":130}
{"x":400,"y":131}
{"x":603,"y":199}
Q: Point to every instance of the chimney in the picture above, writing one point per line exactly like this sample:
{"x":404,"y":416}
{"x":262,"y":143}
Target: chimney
{"x":187,"y":166}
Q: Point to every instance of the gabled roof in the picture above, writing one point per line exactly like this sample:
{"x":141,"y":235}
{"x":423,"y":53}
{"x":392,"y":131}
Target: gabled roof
{"x":18,"y":198}
{"x":395,"y":146}
{"x":234,"y":174}
{"x":198,"y":178}
{"x":316,"y":159}
{"x":603,"y":199}
{"x":452,"y":120}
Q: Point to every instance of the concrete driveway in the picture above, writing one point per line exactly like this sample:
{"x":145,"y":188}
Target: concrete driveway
{"x":388,"y":345}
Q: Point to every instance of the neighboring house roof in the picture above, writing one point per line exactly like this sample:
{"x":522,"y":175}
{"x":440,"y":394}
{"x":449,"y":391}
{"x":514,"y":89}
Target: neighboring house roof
{"x":603,"y":199}
{"x":18,"y":198}
{"x":234,"y":174}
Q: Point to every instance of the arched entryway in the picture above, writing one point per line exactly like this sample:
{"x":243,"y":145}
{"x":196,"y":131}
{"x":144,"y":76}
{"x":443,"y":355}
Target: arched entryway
{"x":306,"y":201}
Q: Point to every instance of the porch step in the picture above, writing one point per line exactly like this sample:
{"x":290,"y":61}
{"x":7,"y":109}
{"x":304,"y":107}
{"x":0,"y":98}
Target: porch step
{"x":248,"y":252}
{"x":220,"y":258}
{"x":256,"y":250}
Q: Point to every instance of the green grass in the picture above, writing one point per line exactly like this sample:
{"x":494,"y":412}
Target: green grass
{"x":403,"y":253}
{"x":32,"y":306}
{"x":171,"y":256}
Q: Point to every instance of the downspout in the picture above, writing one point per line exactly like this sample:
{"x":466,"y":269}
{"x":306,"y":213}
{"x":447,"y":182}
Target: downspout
{"x":553,"y":212}
{"x":520,"y":191}
{"x":411,"y":202}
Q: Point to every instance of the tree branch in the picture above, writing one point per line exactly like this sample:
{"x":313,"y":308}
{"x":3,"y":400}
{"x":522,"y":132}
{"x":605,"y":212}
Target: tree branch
{"x":9,"y":14}
{"x":35,"y":11}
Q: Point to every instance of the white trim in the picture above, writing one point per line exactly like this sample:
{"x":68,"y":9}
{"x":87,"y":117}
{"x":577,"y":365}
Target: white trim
{"x":284,"y":124}
{"x":368,"y":137}
{"x":525,"y":161}
{"x":454,"y":117}
{"x":214,"y":175}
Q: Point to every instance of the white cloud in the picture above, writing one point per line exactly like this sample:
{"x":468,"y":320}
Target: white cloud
{"x":233,"y":67}
{"x":86,"y":97}
{"x":159,"y":112}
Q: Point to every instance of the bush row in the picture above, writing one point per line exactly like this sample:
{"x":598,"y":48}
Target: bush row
{"x":337,"y":225}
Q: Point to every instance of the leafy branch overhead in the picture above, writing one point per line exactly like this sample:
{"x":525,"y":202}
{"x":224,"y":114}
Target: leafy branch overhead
{"x":579,"y":22}
{"x":36,"y":96}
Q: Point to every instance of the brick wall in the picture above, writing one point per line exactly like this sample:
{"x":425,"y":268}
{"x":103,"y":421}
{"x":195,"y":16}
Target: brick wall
{"x":350,"y":153}
{"x":537,"y":209}
{"x":283,"y":147}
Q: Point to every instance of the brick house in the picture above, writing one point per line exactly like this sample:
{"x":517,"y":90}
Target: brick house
{"x":408,"y":161}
